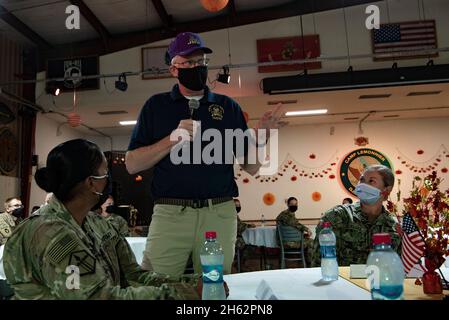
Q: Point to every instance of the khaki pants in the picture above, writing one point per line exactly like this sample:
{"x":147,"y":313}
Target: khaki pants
{"x":176,"y":232}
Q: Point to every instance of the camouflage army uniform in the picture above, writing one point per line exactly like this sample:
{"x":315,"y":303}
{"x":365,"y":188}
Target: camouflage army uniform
{"x":38,"y":255}
{"x":241,"y":227}
{"x":7,"y":224}
{"x":120,"y":224}
{"x":288,"y":218}
{"x":354,"y":233}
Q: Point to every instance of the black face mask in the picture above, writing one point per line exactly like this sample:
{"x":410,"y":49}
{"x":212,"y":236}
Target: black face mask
{"x":18,"y":212}
{"x":193,"y":78}
{"x":292,"y":208}
{"x":110,"y":209}
{"x":238,"y":209}
{"x":103,"y":195}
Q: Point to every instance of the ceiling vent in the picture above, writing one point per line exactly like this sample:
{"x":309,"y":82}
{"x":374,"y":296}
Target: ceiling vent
{"x":273,"y":103}
{"x":422,"y":93}
{"x":108,"y":113}
{"x":375,"y":96}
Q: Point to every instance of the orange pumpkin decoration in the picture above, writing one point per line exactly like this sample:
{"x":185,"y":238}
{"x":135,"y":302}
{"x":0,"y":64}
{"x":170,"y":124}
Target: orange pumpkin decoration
{"x":316,"y":196}
{"x":269,"y":198}
{"x":214,"y":5}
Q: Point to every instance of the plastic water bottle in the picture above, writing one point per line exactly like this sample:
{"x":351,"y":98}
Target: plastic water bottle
{"x":262,"y":220}
{"x":385,"y":270}
{"x":212,"y":263}
{"x":329,"y":264}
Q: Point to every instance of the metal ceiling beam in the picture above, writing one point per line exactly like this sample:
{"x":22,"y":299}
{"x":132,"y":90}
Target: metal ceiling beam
{"x":22,"y":28}
{"x":93,"y":21}
{"x":129,"y":40}
{"x":232,"y":10}
{"x":167,"y":20}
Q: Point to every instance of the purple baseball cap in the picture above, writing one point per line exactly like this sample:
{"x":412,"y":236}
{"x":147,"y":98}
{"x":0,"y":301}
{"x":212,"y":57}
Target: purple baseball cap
{"x":185,"y":43}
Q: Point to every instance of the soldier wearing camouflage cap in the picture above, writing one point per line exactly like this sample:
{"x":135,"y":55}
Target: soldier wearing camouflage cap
{"x":65,"y":251}
{"x":354,"y":224}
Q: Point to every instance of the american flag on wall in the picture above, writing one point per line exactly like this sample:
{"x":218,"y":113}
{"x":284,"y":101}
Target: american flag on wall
{"x":393,"y":39}
{"x":413,"y":245}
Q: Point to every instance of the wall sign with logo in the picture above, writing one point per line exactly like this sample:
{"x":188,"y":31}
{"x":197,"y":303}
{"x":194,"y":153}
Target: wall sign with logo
{"x":76,"y":67}
{"x":355,"y":162}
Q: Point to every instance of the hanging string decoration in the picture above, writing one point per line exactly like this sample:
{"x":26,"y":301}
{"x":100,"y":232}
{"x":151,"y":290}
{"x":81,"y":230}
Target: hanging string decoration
{"x":434,"y":163}
{"x":295,"y":171}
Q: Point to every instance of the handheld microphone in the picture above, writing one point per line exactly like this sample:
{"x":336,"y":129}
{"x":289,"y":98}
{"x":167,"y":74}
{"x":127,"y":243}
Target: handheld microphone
{"x":193,"y":105}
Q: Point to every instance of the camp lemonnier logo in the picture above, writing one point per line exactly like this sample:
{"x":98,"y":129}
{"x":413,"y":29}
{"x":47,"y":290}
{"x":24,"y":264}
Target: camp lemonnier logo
{"x":355,"y":162}
{"x":247,"y":147}
{"x":216,"y":112}
{"x":72,"y":73}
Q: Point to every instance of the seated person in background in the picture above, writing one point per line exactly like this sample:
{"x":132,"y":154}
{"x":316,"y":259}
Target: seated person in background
{"x":108,"y":212}
{"x":65,"y":239}
{"x":347,"y":201}
{"x":9,"y":219}
{"x":241,"y":226}
{"x":288,"y":218}
{"x":355,"y":224}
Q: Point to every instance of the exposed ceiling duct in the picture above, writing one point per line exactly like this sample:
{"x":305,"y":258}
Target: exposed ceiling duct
{"x":357,"y":79}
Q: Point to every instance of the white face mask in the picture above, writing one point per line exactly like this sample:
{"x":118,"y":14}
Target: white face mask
{"x":367,"y":194}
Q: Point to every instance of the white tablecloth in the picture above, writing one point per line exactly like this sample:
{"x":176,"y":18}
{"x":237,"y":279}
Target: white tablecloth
{"x":137,"y":245}
{"x":293,"y":284}
{"x":261,"y":236}
{"x":2,"y":272}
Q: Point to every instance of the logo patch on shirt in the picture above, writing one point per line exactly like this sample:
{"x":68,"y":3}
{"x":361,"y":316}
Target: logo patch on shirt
{"x":216,"y":112}
{"x":84,"y":261}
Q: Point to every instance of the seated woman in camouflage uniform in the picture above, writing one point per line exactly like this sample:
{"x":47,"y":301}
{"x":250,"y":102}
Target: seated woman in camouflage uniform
{"x":354,"y":224}
{"x":65,"y":251}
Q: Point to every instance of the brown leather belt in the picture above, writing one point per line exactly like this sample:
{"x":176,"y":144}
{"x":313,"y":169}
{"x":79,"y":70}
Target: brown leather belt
{"x":194,"y":203}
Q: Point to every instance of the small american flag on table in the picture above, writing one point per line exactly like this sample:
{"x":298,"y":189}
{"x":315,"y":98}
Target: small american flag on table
{"x":392,"y":39}
{"x":413,"y":245}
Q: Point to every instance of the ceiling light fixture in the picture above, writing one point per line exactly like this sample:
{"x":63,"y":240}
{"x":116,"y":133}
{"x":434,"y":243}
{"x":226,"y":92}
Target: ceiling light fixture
{"x":128,"y":122}
{"x":224,"y":77}
{"x":121,"y":83}
{"x":306,"y":112}
{"x":52,"y":89}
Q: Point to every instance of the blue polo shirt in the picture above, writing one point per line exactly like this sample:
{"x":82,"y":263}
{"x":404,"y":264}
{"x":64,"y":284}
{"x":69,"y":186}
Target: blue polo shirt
{"x":161,"y":115}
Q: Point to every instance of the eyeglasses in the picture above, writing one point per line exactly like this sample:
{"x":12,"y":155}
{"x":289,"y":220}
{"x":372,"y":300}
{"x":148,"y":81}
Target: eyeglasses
{"x":192,"y":63}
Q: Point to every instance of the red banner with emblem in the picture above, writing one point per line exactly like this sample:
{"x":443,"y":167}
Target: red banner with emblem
{"x":288,"y":48}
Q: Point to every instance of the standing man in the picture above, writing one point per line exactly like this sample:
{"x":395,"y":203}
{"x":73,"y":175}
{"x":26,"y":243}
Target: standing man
{"x":10,"y":218}
{"x":189,"y":198}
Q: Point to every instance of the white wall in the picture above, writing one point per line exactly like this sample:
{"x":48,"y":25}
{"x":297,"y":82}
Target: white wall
{"x":393,"y":138}
{"x":46,"y":140}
